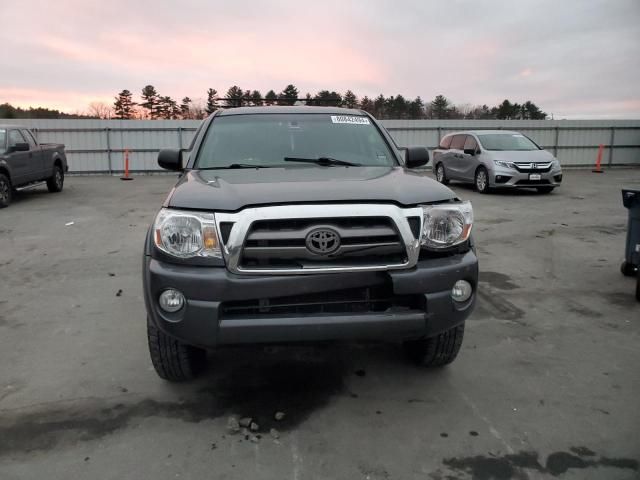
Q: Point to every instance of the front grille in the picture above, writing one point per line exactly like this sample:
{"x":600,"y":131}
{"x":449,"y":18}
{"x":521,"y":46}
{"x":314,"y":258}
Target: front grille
{"x":355,"y":300}
{"x":529,"y":167}
{"x":281,"y":243}
{"x":533,"y":182}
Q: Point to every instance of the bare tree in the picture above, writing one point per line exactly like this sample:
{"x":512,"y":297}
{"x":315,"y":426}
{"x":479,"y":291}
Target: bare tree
{"x":100,"y":110}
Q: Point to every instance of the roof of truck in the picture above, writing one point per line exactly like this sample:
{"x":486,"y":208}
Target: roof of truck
{"x":288,"y":109}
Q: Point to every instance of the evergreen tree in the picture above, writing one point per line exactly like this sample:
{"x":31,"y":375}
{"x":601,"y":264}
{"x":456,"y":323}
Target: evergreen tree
{"x":185,"y":108}
{"x":124,"y":105}
{"x":271,"y":97}
{"x":235,"y":97}
{"x":150,"y":101}
{"x":326,"y":98}
{"x":367,"y":105}
{"x":212,"y":101}
{"x":256,"y":98}
{"x":416,"y":109}
{"x":288,"y":96}
{"x":350,"y":100}
{"x":440,"y":107}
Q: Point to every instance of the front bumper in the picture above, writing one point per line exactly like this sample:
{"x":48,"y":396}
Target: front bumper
{"x":202,"y":322}
{"x":512,"y":178}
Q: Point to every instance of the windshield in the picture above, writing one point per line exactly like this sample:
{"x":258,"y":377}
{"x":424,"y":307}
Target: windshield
{"x":506,"y":141}
{"x":266,"y":140}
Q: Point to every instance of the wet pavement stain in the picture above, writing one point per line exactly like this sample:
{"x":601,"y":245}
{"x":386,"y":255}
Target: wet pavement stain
{"x":493,"y":305}
{"x":497,"y":280}
{"x":258,"y":388}
{"x":503,"y":467}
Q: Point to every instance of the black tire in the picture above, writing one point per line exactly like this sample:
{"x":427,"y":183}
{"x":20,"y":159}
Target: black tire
{"x":6,"y":191}
{"x":55,"y":182}
{"x":628,"y":269}
{"x":441,"y":174}
{"x":435,"y":351}
{"x":545,"y":189}
{"x":173,"y":360}
{"x":481,"y":186}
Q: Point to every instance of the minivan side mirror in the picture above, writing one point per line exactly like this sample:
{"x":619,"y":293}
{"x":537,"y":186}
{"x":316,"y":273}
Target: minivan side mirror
{"x":19,"y":147}
{"x":469,"y":151}
{"x":170,"y":159}
{"x":416,"y":157}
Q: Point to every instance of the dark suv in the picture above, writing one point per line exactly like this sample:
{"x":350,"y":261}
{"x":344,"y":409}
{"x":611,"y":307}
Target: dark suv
{"x":304,"y":224}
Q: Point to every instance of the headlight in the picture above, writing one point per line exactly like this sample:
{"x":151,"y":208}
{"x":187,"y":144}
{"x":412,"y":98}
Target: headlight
{"x":186,"y":234}
{"x":504,"y":163}
{"x":446,"y":225}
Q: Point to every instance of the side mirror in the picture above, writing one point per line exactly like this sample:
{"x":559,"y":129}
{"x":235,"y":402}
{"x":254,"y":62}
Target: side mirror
{"x":416,"y":157}
{"x":469,"y":151}
{"x":170,"y":159}
{"x":19,"y":147}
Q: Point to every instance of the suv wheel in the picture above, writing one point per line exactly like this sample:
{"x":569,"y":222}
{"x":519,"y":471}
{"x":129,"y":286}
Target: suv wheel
{"x":56,"y":181}
{"x":628,"y":269}
{"x":5,"y":191}
{"x":441,"y":175}
{"x":482,"y":180}
{"x":436,"y":351}
{"x":545,"y":189}
{"x":173,"y":360}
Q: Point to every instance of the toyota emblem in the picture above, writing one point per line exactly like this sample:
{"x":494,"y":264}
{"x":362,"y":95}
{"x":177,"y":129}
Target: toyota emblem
{"x":322,"y":241}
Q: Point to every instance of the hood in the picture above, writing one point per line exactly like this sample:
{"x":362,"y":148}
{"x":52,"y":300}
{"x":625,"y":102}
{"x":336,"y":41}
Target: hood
{"x":232,"y":190}
{"x":522,"y":156}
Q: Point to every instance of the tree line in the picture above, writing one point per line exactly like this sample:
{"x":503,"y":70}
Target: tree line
{"x":152,"y":105}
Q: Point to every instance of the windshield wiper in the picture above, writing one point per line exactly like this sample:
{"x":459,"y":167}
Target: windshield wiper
{"x":323,"y":161}
{"x":236,"y":165}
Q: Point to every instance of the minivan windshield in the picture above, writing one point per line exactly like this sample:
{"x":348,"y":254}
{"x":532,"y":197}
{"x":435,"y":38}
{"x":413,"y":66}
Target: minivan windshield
{"x":277,"y":140}
{"x":506,"y":141}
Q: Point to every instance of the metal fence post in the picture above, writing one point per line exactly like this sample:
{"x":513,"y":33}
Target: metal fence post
{"x":612,"y":139}
{"x":108,"y":130}
{"x":555,"y":145}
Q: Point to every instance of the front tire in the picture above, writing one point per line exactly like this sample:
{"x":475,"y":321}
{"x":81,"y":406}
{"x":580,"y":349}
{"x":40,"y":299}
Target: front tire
{"x":55,"y":182}
{"x":481,"y":180}
{"x":435,"y":351}
{"x":628,"y":269}
{"x":6,"y":191}
{"x":173,"y":360}
{"x":441,"y":174}
{"x":545,"y":189}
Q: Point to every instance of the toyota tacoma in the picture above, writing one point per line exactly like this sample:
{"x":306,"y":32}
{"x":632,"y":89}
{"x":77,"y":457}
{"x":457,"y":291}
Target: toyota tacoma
{"x":304,"y":224}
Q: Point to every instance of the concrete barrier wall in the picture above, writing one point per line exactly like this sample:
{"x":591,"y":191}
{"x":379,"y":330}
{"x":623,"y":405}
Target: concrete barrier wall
{"x":98,"y":145}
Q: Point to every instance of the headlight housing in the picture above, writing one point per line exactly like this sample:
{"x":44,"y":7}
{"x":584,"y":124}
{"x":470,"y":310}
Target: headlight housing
{"x":185,"y":234}
{"x":446,"y":225}
{"x":504,"y":163}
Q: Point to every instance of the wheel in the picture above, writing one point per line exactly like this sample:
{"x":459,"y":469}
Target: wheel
{"x":441,"y":175}
{"x":173,"y":360}
{"x":56,"y":181}
{"x":482,"y":180}
{"x":6,"y":191}
{"x":628,"y":269}
{"x":545,"y":189}
{"x":435,"y":351}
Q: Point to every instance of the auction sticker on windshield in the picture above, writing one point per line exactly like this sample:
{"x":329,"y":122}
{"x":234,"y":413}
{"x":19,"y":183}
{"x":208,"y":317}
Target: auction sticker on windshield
{"x":350,"y":119}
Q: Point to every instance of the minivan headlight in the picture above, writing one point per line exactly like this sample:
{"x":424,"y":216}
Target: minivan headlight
{"x":186,"y":234}
{"x":446,"y":225}
{"x":504,"y":163}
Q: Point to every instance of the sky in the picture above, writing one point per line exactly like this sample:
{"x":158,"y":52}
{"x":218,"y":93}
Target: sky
{"x":573,"y":58}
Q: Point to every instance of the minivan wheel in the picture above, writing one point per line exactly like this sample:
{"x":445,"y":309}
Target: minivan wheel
{"x":172,"y":359}
{"x":5,"y":191}
{"x":441,"y":175}
{"x":545,"y":189}
{"x":435,"y":351}
{"x":56,"y":181}
{"x":482,"y":180}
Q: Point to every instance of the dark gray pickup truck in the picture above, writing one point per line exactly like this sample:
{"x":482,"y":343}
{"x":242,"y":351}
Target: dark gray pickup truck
{"x":24,"y":162}
{"x":304,"y":224}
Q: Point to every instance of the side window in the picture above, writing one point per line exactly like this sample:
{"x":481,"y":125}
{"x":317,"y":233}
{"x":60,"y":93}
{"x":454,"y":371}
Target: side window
{"x":470,"y":143}
{"x":445,"y":142}
{"x":29,"y":136}
{"x":458,"y":142}
{"x":15,"y":137}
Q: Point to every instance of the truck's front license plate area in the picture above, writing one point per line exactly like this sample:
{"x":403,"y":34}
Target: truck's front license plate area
{"x":535,"y":176}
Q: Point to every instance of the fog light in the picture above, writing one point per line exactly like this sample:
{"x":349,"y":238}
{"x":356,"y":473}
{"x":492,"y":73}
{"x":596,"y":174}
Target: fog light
{"x":171,"y":300}
{"x":461,"y":291}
